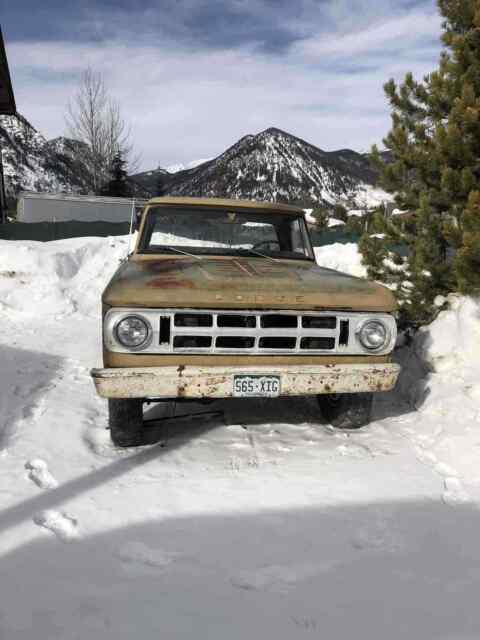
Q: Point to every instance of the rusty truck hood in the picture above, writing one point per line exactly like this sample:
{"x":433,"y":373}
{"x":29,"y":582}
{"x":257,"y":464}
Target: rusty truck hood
{"x":240,"y":282}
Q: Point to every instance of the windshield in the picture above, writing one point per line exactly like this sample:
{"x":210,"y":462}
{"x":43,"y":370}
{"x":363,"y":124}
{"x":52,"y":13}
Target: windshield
{"x":225,"y":232}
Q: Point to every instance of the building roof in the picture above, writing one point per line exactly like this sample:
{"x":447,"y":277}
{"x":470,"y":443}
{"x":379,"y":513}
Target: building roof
{"x":7,"y":99}
{"x":70,"y":197}
{"x":225,"y":202}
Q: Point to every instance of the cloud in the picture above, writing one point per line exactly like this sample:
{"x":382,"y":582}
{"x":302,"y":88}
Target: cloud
{"x":213,"y":24}
{"x":383,"y":36}
{"x":185,"y":102}
{"x":270,"y":25}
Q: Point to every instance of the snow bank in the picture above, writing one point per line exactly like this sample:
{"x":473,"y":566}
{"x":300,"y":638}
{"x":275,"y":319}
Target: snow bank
{"x":342,"y":257}
{"x":452,"y":341}
{"x":60,"y":277}
{"x":449,"y":349}
{"x":441,"y":382}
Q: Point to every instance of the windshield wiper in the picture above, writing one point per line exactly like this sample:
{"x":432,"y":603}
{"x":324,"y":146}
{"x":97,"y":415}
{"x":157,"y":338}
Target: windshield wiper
{"x":257,"y":253}
{"x":185,"y":253}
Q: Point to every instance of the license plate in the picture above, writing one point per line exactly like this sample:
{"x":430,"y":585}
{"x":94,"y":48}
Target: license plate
{"x":256,"y":386}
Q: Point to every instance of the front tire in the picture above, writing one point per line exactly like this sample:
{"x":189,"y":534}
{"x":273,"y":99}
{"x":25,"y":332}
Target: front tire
{"x":347,"y":410}
{"x":125,"y":419}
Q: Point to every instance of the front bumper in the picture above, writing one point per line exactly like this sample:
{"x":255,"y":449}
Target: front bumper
{"x":217,"y":382}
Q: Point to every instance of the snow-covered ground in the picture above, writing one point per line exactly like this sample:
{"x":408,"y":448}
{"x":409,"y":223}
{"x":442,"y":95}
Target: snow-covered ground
{"x":254,"y":520}
{"x":368,"y":196}
{"x":342,"y":257}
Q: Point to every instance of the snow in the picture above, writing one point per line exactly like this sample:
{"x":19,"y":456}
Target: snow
{"x":393,"y":266}
{"x":368,"y":197}
{"x":161,"y":238}
{"x":341,"y":257}
{"x":335,"y":222}
{"x":40,"y":475}
{"x":255,"y":519}
{"x":332,"y":222}
{"x":174,"y":168}
{"x":308,"y":216}
{"x":439,"y":301}
{"x":358,"y":213}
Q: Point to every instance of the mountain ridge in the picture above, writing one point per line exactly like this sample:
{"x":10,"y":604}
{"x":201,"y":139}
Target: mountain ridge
{"x":271,"y":165}
{"x":277,"y":166}
{"x":31,"y":162}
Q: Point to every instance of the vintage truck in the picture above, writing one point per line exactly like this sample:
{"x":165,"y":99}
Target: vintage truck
{"x":223,"y":298}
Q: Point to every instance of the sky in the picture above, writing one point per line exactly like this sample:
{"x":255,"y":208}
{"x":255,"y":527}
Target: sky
{"x":194,"y":76}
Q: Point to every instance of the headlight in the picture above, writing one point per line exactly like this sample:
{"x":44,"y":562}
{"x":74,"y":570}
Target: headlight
{"x":374,"y":335}
{"x":133,"y":332}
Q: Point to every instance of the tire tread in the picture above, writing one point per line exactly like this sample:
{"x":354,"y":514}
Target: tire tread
{"x":125,"y":419}
{"x":348,"y":411}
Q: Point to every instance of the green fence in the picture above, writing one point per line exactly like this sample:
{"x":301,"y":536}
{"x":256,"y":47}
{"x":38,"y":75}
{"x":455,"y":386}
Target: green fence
{"x":322,"y":238}
{"x":46,"y":231}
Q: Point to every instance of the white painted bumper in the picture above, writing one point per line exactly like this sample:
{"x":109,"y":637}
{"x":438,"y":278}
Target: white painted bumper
{"x":217,"y":382}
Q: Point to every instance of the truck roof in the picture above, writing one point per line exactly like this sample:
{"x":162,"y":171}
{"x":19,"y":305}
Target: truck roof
{"x":273,"y":207}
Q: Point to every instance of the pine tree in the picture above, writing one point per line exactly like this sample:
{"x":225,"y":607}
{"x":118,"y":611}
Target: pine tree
{"x":340,"y":213}
{"x":118,"y":185}
{"x":435,"y":173}
{"x":320,"y":215}
{"x":160,"y":186}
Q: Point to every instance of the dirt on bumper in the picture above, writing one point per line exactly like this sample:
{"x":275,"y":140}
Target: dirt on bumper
{"x":217,"y":382}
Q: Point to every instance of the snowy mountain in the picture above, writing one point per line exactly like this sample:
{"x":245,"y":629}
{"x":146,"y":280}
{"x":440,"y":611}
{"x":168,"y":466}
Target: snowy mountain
{"x":272,"y":165}
{"x":152,"y":182}
{"x":277,"y":166}
{"x":175,"y":168}
{"x":31,"y":162}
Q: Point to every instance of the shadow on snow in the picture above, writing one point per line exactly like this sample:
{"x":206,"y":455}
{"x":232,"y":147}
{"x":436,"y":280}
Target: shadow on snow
{"x":24,"y":378}
{"x":375,"y":571}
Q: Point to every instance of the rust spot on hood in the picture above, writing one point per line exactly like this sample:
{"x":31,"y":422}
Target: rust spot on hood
{"x":169,"y":264}
{"x":169,"y":283}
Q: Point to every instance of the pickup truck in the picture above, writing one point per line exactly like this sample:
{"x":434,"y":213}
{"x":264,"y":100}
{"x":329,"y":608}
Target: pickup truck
{"x":223,"y":298}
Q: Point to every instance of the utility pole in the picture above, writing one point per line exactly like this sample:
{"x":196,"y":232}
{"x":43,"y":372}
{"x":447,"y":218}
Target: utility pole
{"x":7,"y":108}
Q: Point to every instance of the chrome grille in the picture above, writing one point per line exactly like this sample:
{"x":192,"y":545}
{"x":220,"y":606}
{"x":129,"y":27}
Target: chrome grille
{"x":243,"y":332}
{"x":250,"y":332}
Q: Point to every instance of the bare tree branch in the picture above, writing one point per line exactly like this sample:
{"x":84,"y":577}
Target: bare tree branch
{"x":95,"y":119}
